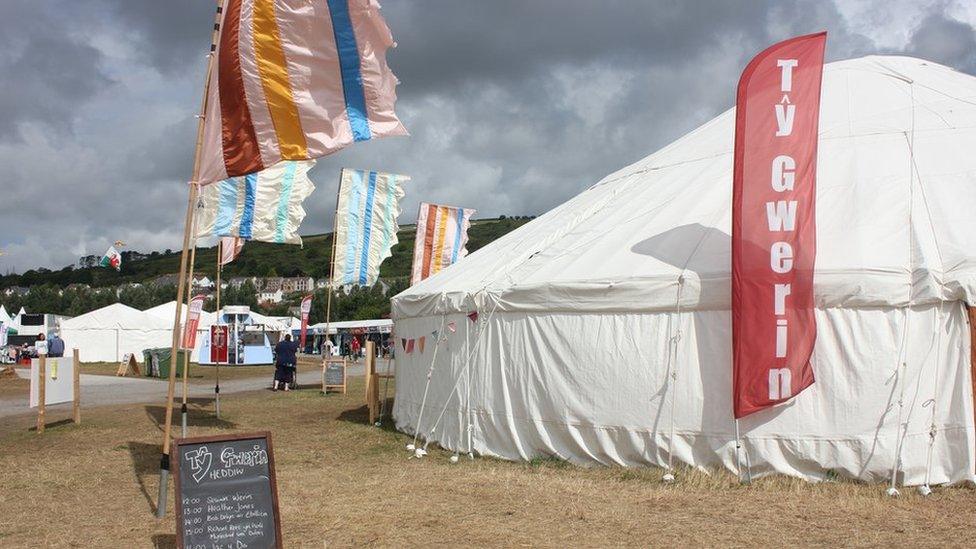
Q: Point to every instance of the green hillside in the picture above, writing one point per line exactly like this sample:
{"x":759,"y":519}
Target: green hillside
{"x":256,"y":259}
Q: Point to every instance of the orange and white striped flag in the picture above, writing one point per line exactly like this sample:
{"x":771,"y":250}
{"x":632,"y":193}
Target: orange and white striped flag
{"x":295,"y":80}
{"x":442,"y":232}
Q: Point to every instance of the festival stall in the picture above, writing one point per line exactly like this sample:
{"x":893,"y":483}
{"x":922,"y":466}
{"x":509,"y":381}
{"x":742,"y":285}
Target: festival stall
{"x":109,"y":333}
{"x":250,"y":340}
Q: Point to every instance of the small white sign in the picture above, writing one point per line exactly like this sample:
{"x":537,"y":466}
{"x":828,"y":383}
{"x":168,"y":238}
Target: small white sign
{"x":59,"y":381}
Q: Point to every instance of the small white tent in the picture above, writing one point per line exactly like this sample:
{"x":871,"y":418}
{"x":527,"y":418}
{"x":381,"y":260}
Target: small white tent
{"x":604,"y":333}
{"x":167,"y":311}
{"x":107,"y":334}
{"x":5,"y":317}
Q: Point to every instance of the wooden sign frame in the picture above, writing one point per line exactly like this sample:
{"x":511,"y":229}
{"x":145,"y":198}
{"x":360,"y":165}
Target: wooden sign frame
{"x":272,"y":477}
{"x":42,"y":390}
{"x":128,"y":364}
{"x":345,"y":376}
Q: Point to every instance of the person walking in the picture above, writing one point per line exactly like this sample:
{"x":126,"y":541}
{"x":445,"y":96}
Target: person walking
{"x":285,"y":363}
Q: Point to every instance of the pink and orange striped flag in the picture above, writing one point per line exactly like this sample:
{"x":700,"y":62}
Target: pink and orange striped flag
{"x":295,"y":80}
{"x":442,"y":232}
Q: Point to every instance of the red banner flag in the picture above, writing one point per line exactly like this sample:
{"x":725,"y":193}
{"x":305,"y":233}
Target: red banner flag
{"x":218,"y":343}
{"x":192,"y":321}
{"x":306,"y":308}
{"x":773,"y":223}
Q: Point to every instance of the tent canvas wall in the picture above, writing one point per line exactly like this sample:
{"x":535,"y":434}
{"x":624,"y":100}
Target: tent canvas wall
{"x":604,"y":333}
{"x":167,"y":311}
{"x":107,"y":334}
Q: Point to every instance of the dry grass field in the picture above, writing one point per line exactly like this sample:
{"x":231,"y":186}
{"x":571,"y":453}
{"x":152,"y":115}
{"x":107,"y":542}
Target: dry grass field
{"x":345,"y":483}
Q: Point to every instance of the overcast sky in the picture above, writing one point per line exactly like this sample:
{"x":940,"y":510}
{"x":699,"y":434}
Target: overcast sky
{"x":513,"y":106}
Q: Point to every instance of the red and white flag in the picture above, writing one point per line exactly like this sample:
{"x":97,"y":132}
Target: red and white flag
{"x":192,"y":321}
{"x":230,"y":248}
{"x":306,"y":309}
{"x":773,"y":223}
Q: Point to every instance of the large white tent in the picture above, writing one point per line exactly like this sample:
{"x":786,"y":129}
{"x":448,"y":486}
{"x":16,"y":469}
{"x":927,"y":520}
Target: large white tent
{"x":604,"y":333}
{"x":107,"y":334}
{"x":167,"y":311}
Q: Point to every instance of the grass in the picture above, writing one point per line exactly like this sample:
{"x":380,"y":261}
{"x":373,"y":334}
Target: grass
{"x":342,"y":482}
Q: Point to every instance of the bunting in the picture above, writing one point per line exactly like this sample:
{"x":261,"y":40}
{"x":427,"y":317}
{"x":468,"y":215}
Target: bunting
{"x":295,"y":81}
{"x":442,"y":232}
{"x":366,"y":225}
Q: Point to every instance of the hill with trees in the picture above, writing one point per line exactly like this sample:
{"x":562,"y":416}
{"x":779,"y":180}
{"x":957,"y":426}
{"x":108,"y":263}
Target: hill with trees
{"x":76,"y":289}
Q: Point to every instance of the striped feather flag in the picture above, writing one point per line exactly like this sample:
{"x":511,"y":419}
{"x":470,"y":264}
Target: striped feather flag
{"x":442,"y":233}
{"x":295,"y":80}
{"x":366,"y":225}
{"x":265,"y":206}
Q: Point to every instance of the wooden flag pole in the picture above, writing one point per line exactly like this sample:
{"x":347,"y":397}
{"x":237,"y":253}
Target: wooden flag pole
{"x":190,"y":208}
{"x":76,"y":405}
{"x":335,"y":230}
{"x":220,"y":250}
{"x":41,"y":391}
{"x":189,"y":297}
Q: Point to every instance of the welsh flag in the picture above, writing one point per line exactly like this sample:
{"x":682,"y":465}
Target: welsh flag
{"x":112,"y":258}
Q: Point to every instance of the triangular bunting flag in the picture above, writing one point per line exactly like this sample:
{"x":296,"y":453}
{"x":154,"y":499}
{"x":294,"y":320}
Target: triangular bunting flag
{"x":403,"y":343}
{"x":452,"y":327}
{"x":423,"y":339}
{"x":473,"y":316}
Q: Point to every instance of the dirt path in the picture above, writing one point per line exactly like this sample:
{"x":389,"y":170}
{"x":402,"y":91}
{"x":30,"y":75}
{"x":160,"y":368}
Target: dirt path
{"x":101,"y":390}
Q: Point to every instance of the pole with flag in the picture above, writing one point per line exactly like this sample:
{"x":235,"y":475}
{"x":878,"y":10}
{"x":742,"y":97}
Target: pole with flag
{"x":773,"y":224}
{"x":255,"y":113}
{"x":164,"y":462}
{"x":306,"y":308}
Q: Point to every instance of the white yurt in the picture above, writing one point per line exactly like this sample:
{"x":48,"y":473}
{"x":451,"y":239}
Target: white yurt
{"x":107,"y":334}
{"x":603,"y":333}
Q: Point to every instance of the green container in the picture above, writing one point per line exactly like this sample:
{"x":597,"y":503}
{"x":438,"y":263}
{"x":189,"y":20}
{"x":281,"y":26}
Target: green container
{"x":157,"y":362}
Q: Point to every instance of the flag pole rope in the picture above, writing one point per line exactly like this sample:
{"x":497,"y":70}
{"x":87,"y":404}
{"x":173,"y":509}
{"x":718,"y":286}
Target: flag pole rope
{"x":674,"y":339}
{"x":423,"y":401}
{"x":903,"y":352}
{"x":220,"y":249}
{"x":164,"y":462}
{"x":335,"y":230}
{"x":467,"y":365}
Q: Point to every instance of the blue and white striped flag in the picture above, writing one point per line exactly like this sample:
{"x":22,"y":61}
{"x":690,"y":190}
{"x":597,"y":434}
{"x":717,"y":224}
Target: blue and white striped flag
{"x":366,"y":225}
{"x":264,"y":206}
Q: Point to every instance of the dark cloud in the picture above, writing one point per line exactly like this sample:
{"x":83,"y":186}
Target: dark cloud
{"x":945,"y":40}
{"x":48,"y":70}
{"x":169,"y":35}
{"x":513,"y":106}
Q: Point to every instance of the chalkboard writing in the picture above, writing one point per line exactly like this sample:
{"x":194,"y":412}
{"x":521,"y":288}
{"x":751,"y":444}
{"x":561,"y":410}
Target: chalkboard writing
{"x":335,"y":374}
{"x":226,"y":492}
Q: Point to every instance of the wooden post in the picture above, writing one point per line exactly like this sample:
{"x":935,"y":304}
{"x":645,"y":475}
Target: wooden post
{"x":187,"y":224}
{"x":41,"y":390}
{"x":372,"y":385}
{"x":972,"y":354}
{"x":77,"y":387}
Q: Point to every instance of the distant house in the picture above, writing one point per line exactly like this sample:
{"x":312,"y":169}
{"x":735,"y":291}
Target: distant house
{"x":165,"y":280}
{"x":270,"y":291}
{"x":16,"y":290}
{"x":199,"y":282}
{"x":297,"y":284}
{"x":238,"y":281}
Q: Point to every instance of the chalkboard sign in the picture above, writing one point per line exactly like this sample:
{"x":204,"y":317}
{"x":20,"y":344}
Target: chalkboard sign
{"x":226,"y":492}
{"x":334,"y":376}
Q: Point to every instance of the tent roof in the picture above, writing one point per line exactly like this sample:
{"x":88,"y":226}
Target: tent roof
{"x":886,"y":235}
{"x":117,"y":316}
{"x":4,"y":316}
{"x":166,"y":311}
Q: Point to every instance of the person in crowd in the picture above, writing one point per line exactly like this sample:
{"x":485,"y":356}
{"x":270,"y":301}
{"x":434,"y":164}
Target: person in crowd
{"x":285,"y":363}
{"x":55,"y":346}
{"x":354,"y":348}
{"x":40,"y":346}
